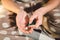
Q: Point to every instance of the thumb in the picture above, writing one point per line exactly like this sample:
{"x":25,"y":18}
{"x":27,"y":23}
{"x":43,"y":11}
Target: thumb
{"x":32,"y":18}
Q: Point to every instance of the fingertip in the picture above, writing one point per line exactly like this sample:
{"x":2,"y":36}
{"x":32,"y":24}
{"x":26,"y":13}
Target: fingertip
{"x":30,"y":22}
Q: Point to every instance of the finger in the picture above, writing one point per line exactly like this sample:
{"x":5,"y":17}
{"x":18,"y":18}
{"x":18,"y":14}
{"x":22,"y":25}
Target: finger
{"x":32,"y":26}
{"x":31,"y":30}
{"x":38,"y":23}
{"x":24,"y":31}
{"x":32,"y":18}
{"x":20,"y":25}
{"x":20,"y":22}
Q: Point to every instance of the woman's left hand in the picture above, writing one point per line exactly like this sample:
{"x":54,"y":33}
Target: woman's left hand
{"x":38,"y":14}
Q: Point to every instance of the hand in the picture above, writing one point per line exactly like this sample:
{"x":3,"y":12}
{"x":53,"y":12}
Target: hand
{"x":20,"y":20}
{"x":29,"y":29}
{"x":38,"y":14}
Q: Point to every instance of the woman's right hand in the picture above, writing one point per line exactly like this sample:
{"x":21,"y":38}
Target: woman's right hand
{"x":21,"y":21}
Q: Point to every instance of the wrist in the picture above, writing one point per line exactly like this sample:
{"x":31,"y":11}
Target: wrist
{"x":43,"y":11}
{"x":19,"y":11}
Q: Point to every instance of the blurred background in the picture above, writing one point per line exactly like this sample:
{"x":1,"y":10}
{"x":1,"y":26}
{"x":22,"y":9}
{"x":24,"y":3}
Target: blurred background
{"x":9,"y":33}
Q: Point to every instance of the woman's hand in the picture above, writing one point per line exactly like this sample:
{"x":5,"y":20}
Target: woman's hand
{"x":20,"y":20}
{"x":38,"y":14}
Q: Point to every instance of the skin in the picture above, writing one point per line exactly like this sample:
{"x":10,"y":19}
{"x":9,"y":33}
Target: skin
{"x":21,"y":14}
{"x":43,"y":10}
